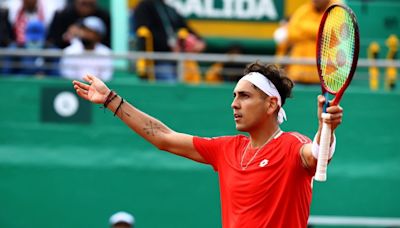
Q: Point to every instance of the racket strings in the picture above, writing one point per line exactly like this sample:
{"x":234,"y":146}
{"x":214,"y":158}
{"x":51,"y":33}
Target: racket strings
{"x":337,"y":48}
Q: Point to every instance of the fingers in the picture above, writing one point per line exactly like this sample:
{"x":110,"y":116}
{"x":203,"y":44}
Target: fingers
{"x":320,"y":103}
{"x":81,"y":89}
{"x":78,"y":84}
{"x":334,"y":115}
{"x":321,"y":100}
{"x":82,"y":93}
{"x":88,"y":78}
{"x":335,"y":118}
{"x":334,"y":109}
{"x":330,"y":109}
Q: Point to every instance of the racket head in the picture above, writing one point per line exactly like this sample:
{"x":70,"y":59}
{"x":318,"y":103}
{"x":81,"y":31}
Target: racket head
{"x":338,"y":45}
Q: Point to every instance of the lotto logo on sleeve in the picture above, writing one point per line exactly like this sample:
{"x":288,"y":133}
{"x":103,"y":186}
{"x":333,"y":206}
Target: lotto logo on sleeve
{"x":64,"y":106}
{"x":263,"y":163}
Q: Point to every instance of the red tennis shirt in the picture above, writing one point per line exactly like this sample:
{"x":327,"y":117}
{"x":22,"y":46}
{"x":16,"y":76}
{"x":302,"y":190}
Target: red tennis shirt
{"x":274,"y":190}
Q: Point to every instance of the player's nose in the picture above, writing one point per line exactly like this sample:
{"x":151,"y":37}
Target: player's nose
{"x":235,"y":104}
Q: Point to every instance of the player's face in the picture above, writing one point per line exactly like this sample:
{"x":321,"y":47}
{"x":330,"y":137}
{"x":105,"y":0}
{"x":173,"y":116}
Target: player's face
{"x":250,"y":106}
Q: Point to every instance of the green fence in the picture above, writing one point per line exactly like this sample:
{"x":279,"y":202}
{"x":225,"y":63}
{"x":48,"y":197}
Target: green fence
{"x":77,"y":173}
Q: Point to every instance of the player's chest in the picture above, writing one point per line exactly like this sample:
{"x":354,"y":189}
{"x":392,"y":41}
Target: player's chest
{"x":256,"y":170}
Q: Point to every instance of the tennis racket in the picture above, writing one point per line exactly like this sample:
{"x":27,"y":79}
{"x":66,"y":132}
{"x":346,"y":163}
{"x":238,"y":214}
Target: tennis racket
{"x":337,"y":55}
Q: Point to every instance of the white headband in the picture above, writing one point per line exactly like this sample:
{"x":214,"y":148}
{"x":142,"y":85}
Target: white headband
{"x":268,"y":88}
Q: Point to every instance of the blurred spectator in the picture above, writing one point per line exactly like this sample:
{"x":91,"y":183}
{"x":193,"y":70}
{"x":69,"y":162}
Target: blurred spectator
{"x":47,"y":8}
{"x":280,"y":38}
{"x":35,"y":34}
{"x":229,"y":71}
{"x":64,"y":26}
{"x":5,"y":38}
{"x":88,"y":35}
{"x":29,"y":32}
{"x":302,"y":37}
{"x":164,"y":23}
{"x":5,"y":28}
{"x":28,"y":11}
{"x":122,"y":220}
{"x":132,"y":32}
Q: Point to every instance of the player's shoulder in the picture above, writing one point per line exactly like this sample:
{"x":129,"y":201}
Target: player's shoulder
{"x":296,"y":137}
{"x":227,"y":139}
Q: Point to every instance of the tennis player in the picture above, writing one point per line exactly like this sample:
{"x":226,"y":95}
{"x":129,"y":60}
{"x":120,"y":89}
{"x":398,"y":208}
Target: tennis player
{"x":265,"y":178}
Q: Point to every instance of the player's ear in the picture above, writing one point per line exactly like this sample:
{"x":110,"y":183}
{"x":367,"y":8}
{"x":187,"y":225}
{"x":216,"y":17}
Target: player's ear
{"x":272,"y":105}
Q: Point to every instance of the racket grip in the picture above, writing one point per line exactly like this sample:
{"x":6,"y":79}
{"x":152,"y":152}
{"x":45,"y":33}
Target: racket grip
{"x":323,"y":155}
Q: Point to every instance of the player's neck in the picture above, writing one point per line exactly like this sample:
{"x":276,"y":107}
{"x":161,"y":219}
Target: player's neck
{"x":258,"y":137}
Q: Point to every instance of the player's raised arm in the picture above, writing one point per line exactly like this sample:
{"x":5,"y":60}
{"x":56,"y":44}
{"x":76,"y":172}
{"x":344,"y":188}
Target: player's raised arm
{"x":309,"y":152}
{"x":143,"y":124}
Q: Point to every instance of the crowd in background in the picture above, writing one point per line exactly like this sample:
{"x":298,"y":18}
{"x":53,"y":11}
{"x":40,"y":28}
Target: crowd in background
{"x":72,"y":26}
{"x":78,"y":26}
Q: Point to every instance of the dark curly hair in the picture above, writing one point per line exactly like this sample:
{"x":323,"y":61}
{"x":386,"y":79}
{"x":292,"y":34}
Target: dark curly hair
{"x":277,"y":76}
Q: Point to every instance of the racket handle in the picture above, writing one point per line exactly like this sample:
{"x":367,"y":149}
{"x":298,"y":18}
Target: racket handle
{"x":323,"y":155}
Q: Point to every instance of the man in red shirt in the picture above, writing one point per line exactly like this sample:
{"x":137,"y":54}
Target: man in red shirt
{"x":265,"y":179}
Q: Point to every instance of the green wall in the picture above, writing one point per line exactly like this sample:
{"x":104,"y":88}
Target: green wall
{"x":77,"y":175}
{"x":377,"y":21}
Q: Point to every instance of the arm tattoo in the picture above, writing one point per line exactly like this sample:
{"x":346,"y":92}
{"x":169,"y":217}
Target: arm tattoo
{"x":126,"y":113}
{"x":151,"y":128}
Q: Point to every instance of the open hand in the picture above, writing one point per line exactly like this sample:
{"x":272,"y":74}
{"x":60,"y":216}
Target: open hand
{"x":94,"y":90}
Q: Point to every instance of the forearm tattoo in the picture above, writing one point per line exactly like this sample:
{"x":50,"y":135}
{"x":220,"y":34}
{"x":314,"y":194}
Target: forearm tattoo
{"x":123,"y":112}
{"x":152,"y":128}
{"x":126,"y":113}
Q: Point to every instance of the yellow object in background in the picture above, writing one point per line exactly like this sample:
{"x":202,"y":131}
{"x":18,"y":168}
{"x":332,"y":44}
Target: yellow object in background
{"x":213,"y":74}
{"x":183,"y":33}
{"x":391,"y":72}
{"x":191,"y":69}
{"x":373,"y":51}
{"x":191,"y":72}
{"x":373,"y":78}
{"x":145,"y":67}
{"x":132,"y":3}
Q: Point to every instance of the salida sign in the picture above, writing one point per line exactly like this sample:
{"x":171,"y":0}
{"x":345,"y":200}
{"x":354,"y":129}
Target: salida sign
{"x":260,"y":10}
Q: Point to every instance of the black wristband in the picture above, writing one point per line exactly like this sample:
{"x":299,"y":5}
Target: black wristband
{"x":110,"y":97}
{"x":119,"y":106}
